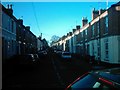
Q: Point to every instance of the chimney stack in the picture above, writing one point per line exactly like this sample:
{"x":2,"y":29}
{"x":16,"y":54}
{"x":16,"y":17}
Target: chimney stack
{"x":95,"y":13}
{"x":84,"y":21}
{"x":101,"y":11}
{"x":8,"y":6}
{"x":28,"y":27}
{"x":9,"y":9}
{"x":74,"y":30}
{"x":78,"y":27}
{"x":70,"y":33}
{"x":20,"y":21}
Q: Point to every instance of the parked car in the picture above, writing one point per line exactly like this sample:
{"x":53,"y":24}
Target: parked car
{"x":59,"y":52}
{"x":66,"y":55}
{"x":42,"y":54}
{"x":21,"y":61}
{"x":102,"y":79}
{"x":26,"y":61}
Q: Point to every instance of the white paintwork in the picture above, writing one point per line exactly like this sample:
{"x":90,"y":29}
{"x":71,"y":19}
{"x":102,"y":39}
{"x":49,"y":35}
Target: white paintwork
{"x":113,"y":49}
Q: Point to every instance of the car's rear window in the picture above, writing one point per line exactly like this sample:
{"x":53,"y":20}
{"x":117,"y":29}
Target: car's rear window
{"x":86,"y":82}
{"x":66,"y":53}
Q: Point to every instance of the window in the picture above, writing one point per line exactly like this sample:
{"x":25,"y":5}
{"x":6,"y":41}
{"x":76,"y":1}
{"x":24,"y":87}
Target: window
{"x":81,"y":34}
{"x":98,"y":47}
{"x":12,"y":26}
{"x":8,"y":44}
{"x":86,"y":32}
{"x":93,"y":49}
{"x":8,"y":24}
{"x":93,"y":29}
{"x":106,"y":49}
{"x":98,"y":28}
{"x":106,"y":24}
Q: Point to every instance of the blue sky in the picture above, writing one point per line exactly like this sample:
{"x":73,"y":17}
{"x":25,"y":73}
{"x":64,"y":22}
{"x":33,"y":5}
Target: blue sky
{"x":54,"y":18}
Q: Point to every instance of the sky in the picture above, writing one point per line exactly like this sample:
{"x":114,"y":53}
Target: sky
{"x":54,"y":18}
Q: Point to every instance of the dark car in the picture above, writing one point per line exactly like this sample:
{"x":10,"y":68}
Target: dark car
{"x":20,"y":63}
{"x":66,"y":55}
{"x":23,"y":60}
{"x":102,"y":79}
{"x":37,"y":59}
{"x":36,"y":56}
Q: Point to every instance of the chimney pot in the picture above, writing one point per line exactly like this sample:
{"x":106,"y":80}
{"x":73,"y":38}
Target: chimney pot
{"x":9,"y":9}
{"x":74,"y":30}
{"x":8,"y":6}
{"x":78,"y":27}
{"x":28,"y":27}
{"x":20,"y":21}
{"x":101,"y":11}
{"x":84,"y":21}
{"x":95,"y":13}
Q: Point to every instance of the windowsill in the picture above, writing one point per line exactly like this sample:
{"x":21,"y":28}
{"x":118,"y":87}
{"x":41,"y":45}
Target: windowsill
{"x":92,"y":37}
{"x":106,"y":59}
{"x":105,"y":34}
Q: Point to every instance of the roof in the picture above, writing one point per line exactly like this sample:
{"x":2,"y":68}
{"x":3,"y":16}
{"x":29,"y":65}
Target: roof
{"x":117,"y":4}
{"x":8,"y":13}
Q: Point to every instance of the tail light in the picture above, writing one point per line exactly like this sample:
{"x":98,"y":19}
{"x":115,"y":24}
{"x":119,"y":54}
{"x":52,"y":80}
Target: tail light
{"x":106,"y":81}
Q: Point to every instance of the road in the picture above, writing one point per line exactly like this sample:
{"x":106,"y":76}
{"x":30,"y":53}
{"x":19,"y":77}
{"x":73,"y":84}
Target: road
{"x":51,"y":72}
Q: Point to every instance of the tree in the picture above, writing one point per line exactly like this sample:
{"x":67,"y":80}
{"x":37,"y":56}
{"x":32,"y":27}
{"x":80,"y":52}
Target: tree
{"x":54,"y":38}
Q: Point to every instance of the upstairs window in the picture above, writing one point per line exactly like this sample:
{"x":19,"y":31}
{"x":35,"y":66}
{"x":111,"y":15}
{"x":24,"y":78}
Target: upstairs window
{"x":106,"y":24}
{"x":93,"y":29}
{"x":98,"y":28}
{"x":86,"y":32}
{"x":82,"y":34}
{"x":12,"y":26}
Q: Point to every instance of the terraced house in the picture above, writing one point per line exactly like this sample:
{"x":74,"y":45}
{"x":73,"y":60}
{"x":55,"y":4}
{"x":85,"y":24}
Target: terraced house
{"x":16,"y":37}
{"x":8,"y":32}
{"x":99,"y":38}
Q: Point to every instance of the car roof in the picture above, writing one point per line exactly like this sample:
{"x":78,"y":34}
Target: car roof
{"x":65,"y":52}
